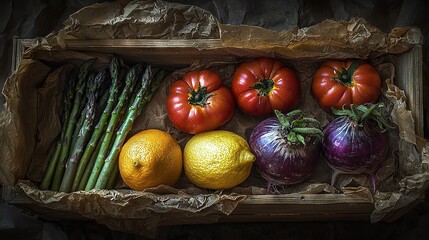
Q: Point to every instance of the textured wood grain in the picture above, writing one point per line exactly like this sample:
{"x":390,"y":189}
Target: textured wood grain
{"x":410,"y":79}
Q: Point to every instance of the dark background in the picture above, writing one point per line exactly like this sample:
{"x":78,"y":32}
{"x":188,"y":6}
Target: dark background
{"x":35,"y":18}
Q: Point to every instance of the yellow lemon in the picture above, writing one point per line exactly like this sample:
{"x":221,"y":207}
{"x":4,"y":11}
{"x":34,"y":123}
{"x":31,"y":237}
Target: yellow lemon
{"x":217,"y":159}
{"x":150,"y":158}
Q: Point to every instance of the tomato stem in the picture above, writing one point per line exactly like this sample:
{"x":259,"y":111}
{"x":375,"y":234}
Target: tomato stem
{"x":199,"y":96}
{"x":345,"y":76}
{"x":264,"y":86}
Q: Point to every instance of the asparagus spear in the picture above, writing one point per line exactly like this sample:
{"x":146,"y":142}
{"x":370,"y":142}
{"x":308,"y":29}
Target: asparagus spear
{"x":100,"y":127}
{"x":124,"y":110}
{"x":129,"y":85}
{"x":68,"y":99}
{"x":88,"y":168}
{"x":113,"y":176}
{"x":102,"y":95}
{"x":101,"y":105}
{"x":82,"y":114}
{"x":121,"y":116}
{"x":138,"y":103}
{"x":75,"y":156}
{"x":80,"y":87}
{"x":98,"y":90}
{"x":84,"y":132}
{"x":154,"y":87}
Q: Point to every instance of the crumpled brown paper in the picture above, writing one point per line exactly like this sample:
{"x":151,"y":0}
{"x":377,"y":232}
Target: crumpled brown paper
{"x":150,"y":204}
{"x":18,"y":120}
{"x":138,"y":19}
{"x":328,"y":39}
{"x":24,"y":155}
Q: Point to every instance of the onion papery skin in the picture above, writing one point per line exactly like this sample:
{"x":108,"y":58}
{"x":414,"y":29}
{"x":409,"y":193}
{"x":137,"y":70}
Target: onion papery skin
{"x":278,"y":161}
{"x":351,"y":148}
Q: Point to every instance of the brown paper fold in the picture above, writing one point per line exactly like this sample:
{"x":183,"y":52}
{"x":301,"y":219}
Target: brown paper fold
{"x":17,"y":120}
{"x":328,"y":39}
{"x":26,"y":137}
{"x":138,"y":19}
{"x":153,"y":205}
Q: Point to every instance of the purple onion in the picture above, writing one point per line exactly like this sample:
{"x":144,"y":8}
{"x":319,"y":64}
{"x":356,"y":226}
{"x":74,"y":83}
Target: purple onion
{"x":356,"y":144}
{"x":280,"y":158}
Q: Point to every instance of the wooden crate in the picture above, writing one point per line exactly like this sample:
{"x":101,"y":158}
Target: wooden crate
{"x":311,"y":207}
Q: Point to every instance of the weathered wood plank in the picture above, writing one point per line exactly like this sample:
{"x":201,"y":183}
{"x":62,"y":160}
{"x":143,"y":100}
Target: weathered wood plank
{"x":410,"y":79}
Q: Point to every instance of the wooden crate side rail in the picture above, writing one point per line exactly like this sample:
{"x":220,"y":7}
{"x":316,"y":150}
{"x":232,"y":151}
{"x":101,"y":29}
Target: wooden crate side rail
{"x":145,"y":43}
{"x":410,"y":79}
{"x":285,"y":207}
{"x":256,"y":208}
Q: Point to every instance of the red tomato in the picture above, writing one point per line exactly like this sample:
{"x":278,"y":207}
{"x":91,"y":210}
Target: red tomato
{"x":341,"y":83}
{"x":263,"y":85}
{"x":199,"y":102}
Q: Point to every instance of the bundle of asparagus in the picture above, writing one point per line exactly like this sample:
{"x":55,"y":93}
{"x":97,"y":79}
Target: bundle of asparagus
{"x":86,"y":154}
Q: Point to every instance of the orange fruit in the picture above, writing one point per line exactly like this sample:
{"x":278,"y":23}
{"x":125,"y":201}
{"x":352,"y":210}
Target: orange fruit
{"x":150,"y":158}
